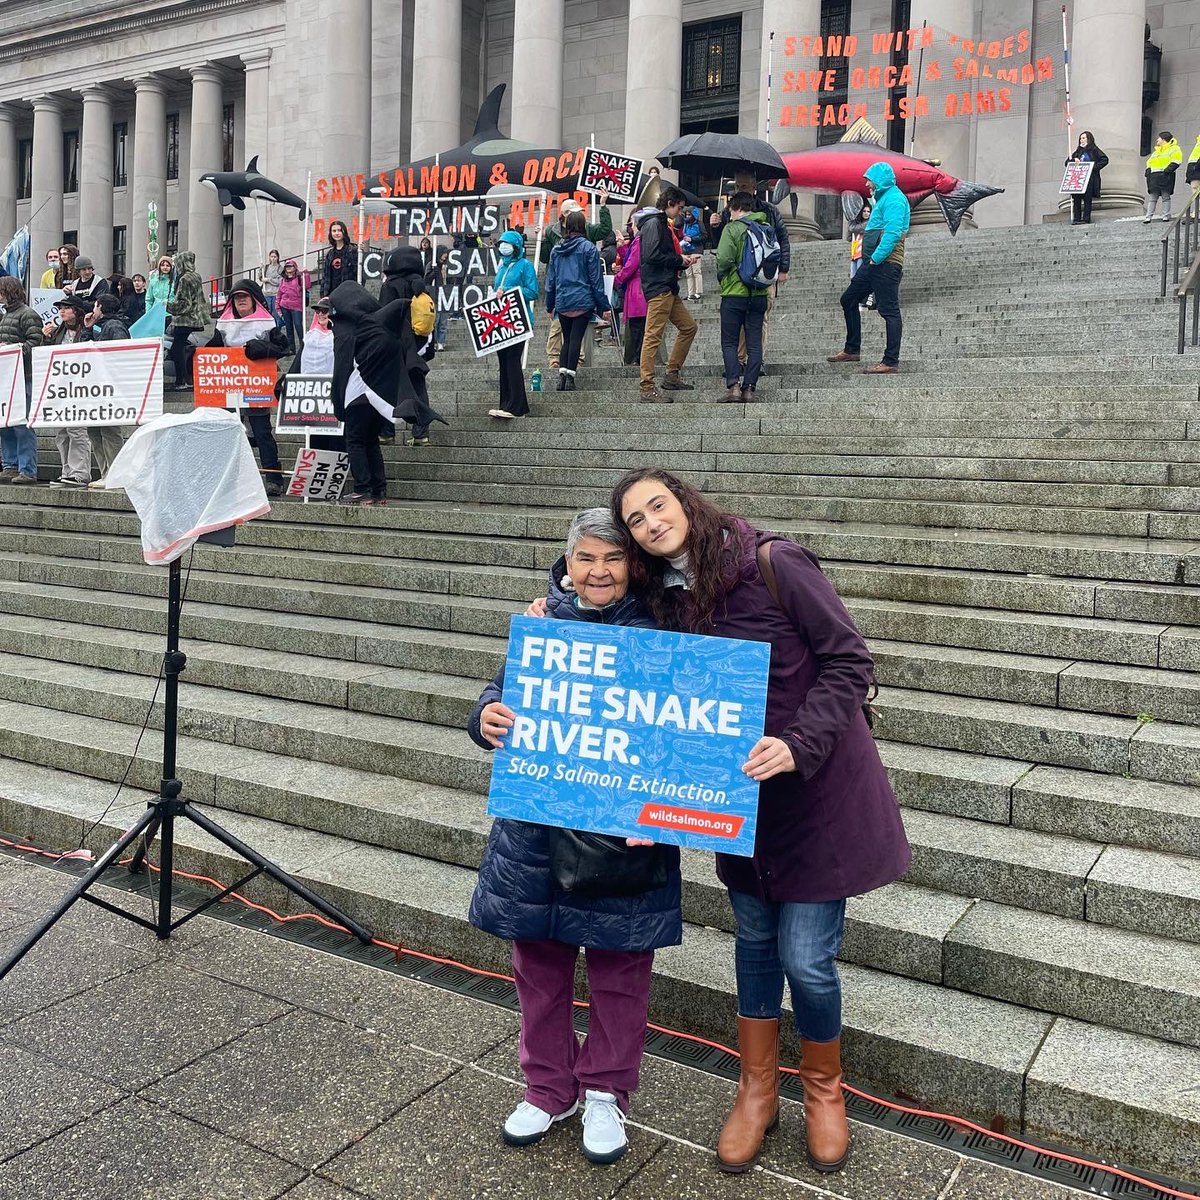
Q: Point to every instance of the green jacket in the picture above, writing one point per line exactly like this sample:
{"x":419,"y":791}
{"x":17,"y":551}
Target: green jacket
{"x":593,"y":233}
{"x":729,"y":257}
{"x":190,"y":308}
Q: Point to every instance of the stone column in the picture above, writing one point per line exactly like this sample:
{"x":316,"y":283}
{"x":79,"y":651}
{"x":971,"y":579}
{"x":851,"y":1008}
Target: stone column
{"x":437,"y":77}
{"x":258,"y":112}
{"x":652,"y":78}
{"x":204,"y":209}
{"x":784,"y":18}
{"x":346,"y":117}
{"x":947,"y":139}
{"x":537,"y":72}
{"x":8,"y":174}
{"x":46,"y":201}
{"x":149,"y":166}
{"x":1106,"y":96}
{"x":95,"y":178}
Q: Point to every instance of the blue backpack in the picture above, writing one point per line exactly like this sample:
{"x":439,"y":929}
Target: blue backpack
{"x":759,"y":264}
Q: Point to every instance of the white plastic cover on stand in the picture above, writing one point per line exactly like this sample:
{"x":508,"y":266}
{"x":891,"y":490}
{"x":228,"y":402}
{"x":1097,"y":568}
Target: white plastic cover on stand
{"x":188,"y":474}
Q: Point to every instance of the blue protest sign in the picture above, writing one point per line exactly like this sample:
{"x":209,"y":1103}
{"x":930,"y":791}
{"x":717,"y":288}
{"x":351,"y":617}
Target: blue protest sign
{"x":635,"y":732}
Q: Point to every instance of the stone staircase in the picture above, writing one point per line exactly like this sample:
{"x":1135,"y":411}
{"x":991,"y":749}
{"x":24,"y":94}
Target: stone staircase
{"x":1015,"y":523}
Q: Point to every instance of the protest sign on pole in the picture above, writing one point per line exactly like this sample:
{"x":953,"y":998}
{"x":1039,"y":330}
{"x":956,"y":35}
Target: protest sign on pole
{"x":226,"y":378}
{"x":499,"y":321}
{"x":97,"y":383}
{"x":319,"y":474}
{"x":1076,"y":177}
{"x":42,"y":301}
{"x":632,"y":732}
{"x":307,"y":406}
{"x":12,"y":386}
{"x":616,"y":174}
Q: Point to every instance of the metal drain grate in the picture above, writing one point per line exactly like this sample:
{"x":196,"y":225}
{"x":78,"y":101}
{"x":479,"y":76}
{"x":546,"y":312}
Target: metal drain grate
{"x":1041,"y":1163}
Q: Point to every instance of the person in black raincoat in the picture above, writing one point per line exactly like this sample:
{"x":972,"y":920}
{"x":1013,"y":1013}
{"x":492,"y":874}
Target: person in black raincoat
{"x":375,"y":355}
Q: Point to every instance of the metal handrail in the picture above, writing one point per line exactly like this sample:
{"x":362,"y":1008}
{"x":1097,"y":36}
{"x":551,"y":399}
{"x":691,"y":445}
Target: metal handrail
{"x":1187,"y":223}
{"x":1189,"y":287}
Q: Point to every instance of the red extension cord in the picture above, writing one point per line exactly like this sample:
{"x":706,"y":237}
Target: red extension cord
{"x":961,"y":1122}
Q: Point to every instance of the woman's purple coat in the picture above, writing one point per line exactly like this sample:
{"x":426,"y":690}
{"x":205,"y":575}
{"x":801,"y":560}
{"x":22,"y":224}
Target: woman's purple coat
{"x":832,"y":828}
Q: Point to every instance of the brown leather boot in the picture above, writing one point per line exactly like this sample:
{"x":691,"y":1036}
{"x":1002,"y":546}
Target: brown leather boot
{"x":756,"y":1109}
{"x":826,"y":1129}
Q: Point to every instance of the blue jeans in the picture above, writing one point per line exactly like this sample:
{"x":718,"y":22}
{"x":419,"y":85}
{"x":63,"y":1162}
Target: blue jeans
{"x":18,"y":448}
{"x":440,"y":328}
{"x":801,"y":942}
{"x":293,"y":326}
{"x":884,"y":280}
{"x":742,"y":313}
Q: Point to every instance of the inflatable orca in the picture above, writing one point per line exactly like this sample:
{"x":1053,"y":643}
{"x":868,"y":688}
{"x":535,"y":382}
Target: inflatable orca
{"x":234,"y":188}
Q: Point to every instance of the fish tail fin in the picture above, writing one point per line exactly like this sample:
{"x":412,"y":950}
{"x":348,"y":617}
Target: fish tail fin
{"x":955,"y":202}
{"x":488,"y":120}
{"x":863,"y":132}
{"x":782,"y":190}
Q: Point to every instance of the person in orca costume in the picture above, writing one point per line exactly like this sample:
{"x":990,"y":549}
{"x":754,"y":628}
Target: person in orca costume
{"x":375,"y":356}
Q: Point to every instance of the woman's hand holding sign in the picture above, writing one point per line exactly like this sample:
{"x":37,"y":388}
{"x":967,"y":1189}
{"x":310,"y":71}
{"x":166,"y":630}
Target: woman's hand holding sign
{"x":771,"y":756}
{"x":495,"y":721}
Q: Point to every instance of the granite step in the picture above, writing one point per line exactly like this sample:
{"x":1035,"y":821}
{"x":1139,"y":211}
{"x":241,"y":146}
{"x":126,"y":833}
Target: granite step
{"x":951,"y":1050}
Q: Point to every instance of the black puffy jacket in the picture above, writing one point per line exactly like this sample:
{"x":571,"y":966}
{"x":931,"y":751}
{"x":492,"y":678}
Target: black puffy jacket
{"x":661,"y":261}
{"x":516,"y":898}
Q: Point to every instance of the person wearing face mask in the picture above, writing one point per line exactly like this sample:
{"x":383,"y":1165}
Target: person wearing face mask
{"x":880,"y":272}
{"x":47,"y":280}
{"x":515,"y":271}
{"x":247,"y":322}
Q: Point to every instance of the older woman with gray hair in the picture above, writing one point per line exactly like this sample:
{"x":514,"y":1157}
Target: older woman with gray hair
{"x":531,"y":892}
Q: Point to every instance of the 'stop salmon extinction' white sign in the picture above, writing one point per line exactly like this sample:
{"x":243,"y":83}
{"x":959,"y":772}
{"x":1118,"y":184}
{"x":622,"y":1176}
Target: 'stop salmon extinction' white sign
{"x":97,"y":383}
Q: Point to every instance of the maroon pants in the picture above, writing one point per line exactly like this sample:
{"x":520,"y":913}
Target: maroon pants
{"x":557,"y":1069}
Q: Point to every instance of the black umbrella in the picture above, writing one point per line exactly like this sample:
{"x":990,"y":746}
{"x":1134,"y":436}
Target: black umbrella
{"x":723,"y":154}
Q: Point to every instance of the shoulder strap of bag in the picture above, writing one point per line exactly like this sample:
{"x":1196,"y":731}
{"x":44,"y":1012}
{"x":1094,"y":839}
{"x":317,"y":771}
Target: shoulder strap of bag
{"x":767,"y":570}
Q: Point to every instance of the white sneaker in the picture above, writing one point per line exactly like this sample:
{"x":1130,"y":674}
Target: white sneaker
{"x":440,"y":346}
{"x":604,"y":1139}
{"x":499,"y":412}
{"x":528,"y":1124}
{"x":98,"y":485}
{"x":1166,"y":218}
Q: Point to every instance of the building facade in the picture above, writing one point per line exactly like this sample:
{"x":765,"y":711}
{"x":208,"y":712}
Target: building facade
{"x":109,"y":107}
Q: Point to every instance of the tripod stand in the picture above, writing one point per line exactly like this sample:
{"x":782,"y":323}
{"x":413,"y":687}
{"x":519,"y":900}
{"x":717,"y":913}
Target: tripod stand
{"x":164,"y":810}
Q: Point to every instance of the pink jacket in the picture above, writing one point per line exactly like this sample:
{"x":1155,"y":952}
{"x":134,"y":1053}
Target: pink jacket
{"x":633,"y":303}
{"x":289,"y":294}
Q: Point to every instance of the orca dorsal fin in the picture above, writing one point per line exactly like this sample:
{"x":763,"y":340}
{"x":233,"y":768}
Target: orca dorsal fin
{"x":252,"y":166}
{"x":488,"y":121}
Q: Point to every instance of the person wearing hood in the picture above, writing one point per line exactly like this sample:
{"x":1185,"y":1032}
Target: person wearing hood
{"x":189,"y":311}
{"x":524,"y":897}
{"x":1087,"y":151}
{"x":74,"y":446}
{"x":375,"y":358}
{"x":1193,"y":164}
{"x":743,"y":306}
{"x":160,"y":288}
{"x":555,"y":234}
{"x":404,"y":279}
{"x":246,"y":321}
{"x":515,"y":271}
{"x":574,"y":293}
{"x":341,"y":258}
{"x":882,"y":267}
{"x":108,"y":324}
{"x":628,"y":279}
{"x":289,"y":303}
{"x":660,"y":263}
{"x":1165,"y":160}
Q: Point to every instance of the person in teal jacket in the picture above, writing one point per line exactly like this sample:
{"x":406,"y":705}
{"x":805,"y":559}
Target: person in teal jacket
{"x":882,"y":267}
{"x":742,"y":307}
{"x":515,"y":271}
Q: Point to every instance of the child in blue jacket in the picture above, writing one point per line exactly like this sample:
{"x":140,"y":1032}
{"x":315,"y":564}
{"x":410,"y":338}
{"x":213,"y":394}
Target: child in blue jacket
{"x":515,"y":272}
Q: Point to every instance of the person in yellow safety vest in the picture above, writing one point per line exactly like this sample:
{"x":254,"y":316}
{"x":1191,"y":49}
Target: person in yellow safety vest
{"x":1193,"y":163}
{"x":1165,"y":159}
